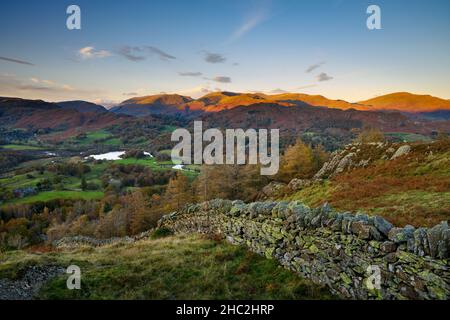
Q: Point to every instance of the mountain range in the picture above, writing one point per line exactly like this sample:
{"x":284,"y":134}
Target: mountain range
{"x":295,"y":112}
{"x":218,"y":101}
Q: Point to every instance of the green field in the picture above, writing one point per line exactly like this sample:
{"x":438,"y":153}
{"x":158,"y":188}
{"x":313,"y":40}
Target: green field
{"x":408,"y":137}
{"x":21,"y":180}
{"x":169,"y":128}
{"x":68,"y":188}
{"x":100,"y":136}
{"x":55,"y":195}
{"x":113,"y":142}
{"x":175,"y":267}
{"x":30,"y":179}
{"x":20,"y":147}
{"x":148,"y":161}
{"x":157,"y":166}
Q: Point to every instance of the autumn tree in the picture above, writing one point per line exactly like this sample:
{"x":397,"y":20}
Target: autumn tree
{"x":320,"y":156}
{"x":178,"y":193}
{"x":233,"y":182}
{"x":296,"y":162}
{"x":217,"y":181}
{"x":370,"y":135}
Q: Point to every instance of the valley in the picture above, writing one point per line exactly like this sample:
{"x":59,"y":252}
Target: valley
{"x":105,"y":174}
{"x":225,"y":150}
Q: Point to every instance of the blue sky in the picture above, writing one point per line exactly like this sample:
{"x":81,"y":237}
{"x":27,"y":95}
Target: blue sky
{"x":128,"y":48}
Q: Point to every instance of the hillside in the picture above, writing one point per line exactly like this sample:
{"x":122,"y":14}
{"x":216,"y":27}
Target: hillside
{"x":176,"y":267}
{"x":18,"y":103}
{"x":407,"y":102}
{"x":155,"y":104}
{"x":401,"y":101}
{"x":82,"y":106}
{"x":38,"y":114}
{"x":317,"y":101}
{"x":163,"y":99}
{"x":272,"y":115}
{"x":407,"y":184}
{"x":218,"y":101}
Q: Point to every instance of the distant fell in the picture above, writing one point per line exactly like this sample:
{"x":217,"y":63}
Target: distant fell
{"x":82,"y":106}
{"x":407,"y":102}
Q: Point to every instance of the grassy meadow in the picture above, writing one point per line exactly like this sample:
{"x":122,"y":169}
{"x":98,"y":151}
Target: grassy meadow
{"x":174,"y":267}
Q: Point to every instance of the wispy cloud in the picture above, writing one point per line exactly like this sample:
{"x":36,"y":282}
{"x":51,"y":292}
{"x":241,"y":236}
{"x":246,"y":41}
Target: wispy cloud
{"x":43,"y":81}
{"x":131,"y":53}
{"x":16,"y":61}
{"x":92,"y":53}
{"x":41,"y":88}
{"x":162,"y":55}
{"x":221,"y":79}
{"x":324,"y":77}
{"x":190,"y":74}
{"x":140,"y":53}
{"x":306,"y":86}
{"x":37,"y":84}
{"x":256,"y":17}
{"x":136,"y":92}
{"x":214,"y":57}
{"x":314,"y":67}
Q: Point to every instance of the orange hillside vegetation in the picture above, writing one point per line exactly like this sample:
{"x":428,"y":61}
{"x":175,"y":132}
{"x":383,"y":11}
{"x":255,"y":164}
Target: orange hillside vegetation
{"x":163,"y":99}
{"x":318,"y":101}
{"x":404,"y":101}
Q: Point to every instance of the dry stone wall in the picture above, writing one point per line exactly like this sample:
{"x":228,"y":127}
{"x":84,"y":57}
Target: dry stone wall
{"x":349,"y":253}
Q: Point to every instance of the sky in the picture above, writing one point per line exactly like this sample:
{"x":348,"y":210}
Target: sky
{"x":142,"y":47}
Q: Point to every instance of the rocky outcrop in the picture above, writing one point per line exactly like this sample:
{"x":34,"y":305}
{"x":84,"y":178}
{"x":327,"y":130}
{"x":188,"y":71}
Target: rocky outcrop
{"x":28,"y":285}
{"x":401,"y":151}
{"x":359,"y":155}
{"x":272,"y":190}
{"x":356,"y":155}
{"x":299,"y":184}
{"x":338,"y":249}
